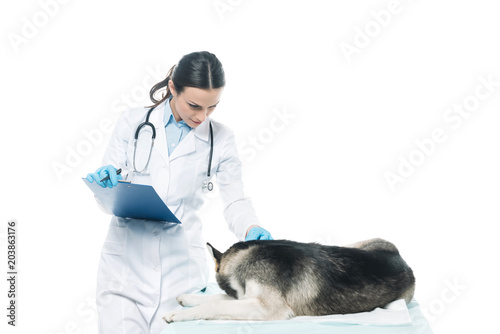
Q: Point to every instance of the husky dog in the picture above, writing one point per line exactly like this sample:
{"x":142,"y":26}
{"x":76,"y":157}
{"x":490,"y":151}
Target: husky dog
{"x":281,"y":279}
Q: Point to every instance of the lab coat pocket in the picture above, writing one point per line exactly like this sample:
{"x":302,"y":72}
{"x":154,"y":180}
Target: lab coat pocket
{"x":198,"y":273}
{"x":116,"y":234}
{"x":113,"y":248}
{"x":113,"y":265}
{"x":192,"y":173}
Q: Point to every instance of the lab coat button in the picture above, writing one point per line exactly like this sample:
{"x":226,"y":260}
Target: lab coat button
{"x":155,"y":232}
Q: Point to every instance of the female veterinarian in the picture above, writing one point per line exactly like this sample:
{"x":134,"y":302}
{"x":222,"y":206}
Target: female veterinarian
{"x":146,"y":264}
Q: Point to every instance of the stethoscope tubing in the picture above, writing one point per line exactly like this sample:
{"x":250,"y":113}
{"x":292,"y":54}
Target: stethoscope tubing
{"x":209,"y":185}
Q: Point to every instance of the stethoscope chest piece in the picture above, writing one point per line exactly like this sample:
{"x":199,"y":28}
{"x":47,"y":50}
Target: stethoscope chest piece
{"x":207,"y":186}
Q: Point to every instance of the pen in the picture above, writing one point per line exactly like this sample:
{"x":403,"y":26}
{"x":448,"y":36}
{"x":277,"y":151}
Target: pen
{"x":118,"y":171}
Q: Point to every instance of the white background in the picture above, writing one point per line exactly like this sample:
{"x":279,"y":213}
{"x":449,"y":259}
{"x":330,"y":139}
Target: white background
{"x":319,"y":177}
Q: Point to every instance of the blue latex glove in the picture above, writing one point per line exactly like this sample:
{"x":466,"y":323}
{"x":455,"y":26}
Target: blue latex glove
{"x":101,"y":173}
{"x":258,"y":233}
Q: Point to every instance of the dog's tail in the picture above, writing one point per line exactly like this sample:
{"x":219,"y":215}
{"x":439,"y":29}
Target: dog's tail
{"x":375,"y":244}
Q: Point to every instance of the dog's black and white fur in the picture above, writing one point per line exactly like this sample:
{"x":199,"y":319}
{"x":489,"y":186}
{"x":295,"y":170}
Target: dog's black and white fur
{"x":281,"y":279}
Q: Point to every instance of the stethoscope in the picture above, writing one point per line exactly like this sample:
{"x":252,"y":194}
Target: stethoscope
{"x":207,"y":185}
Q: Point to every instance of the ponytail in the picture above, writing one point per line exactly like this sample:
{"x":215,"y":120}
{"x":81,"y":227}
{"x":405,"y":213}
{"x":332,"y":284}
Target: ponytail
{"x":158,"y":87}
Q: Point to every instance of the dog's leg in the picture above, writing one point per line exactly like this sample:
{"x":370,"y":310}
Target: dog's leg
{"x":237,"y":309}
{"x":259,"y":303}
{"x":194,"y":300}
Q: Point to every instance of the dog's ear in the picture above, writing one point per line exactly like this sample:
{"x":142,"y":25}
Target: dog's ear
{"x":216,"y":255}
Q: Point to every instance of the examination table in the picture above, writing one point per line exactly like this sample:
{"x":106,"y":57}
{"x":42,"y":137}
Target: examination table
{"x":397,"y":317}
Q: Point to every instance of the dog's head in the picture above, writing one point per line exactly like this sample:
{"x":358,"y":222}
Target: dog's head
{"x":217,"y":256}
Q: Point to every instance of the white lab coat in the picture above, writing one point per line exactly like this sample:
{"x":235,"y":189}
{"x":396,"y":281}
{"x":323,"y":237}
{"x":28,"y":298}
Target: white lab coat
{"x":144,"y":264}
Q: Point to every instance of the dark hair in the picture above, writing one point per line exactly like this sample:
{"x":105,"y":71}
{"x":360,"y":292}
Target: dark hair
{"x":197,"y":69}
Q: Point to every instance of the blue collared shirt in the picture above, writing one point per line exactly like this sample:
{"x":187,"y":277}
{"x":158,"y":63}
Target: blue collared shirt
{"x":175,"y":131}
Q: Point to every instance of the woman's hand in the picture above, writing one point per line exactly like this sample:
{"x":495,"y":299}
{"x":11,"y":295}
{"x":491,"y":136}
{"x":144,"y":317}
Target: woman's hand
{"x":101,"y":173}
{"x":256,"y":232}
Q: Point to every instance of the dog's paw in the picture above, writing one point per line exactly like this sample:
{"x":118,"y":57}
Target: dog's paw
{"x":169,"y":317}
{"x":188,"y":300}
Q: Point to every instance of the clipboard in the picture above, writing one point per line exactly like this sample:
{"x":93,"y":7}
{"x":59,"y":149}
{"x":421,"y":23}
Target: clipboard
{"x":130,"y":200}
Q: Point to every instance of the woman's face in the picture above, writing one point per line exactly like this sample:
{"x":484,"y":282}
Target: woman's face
{"x":194,"y":105}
